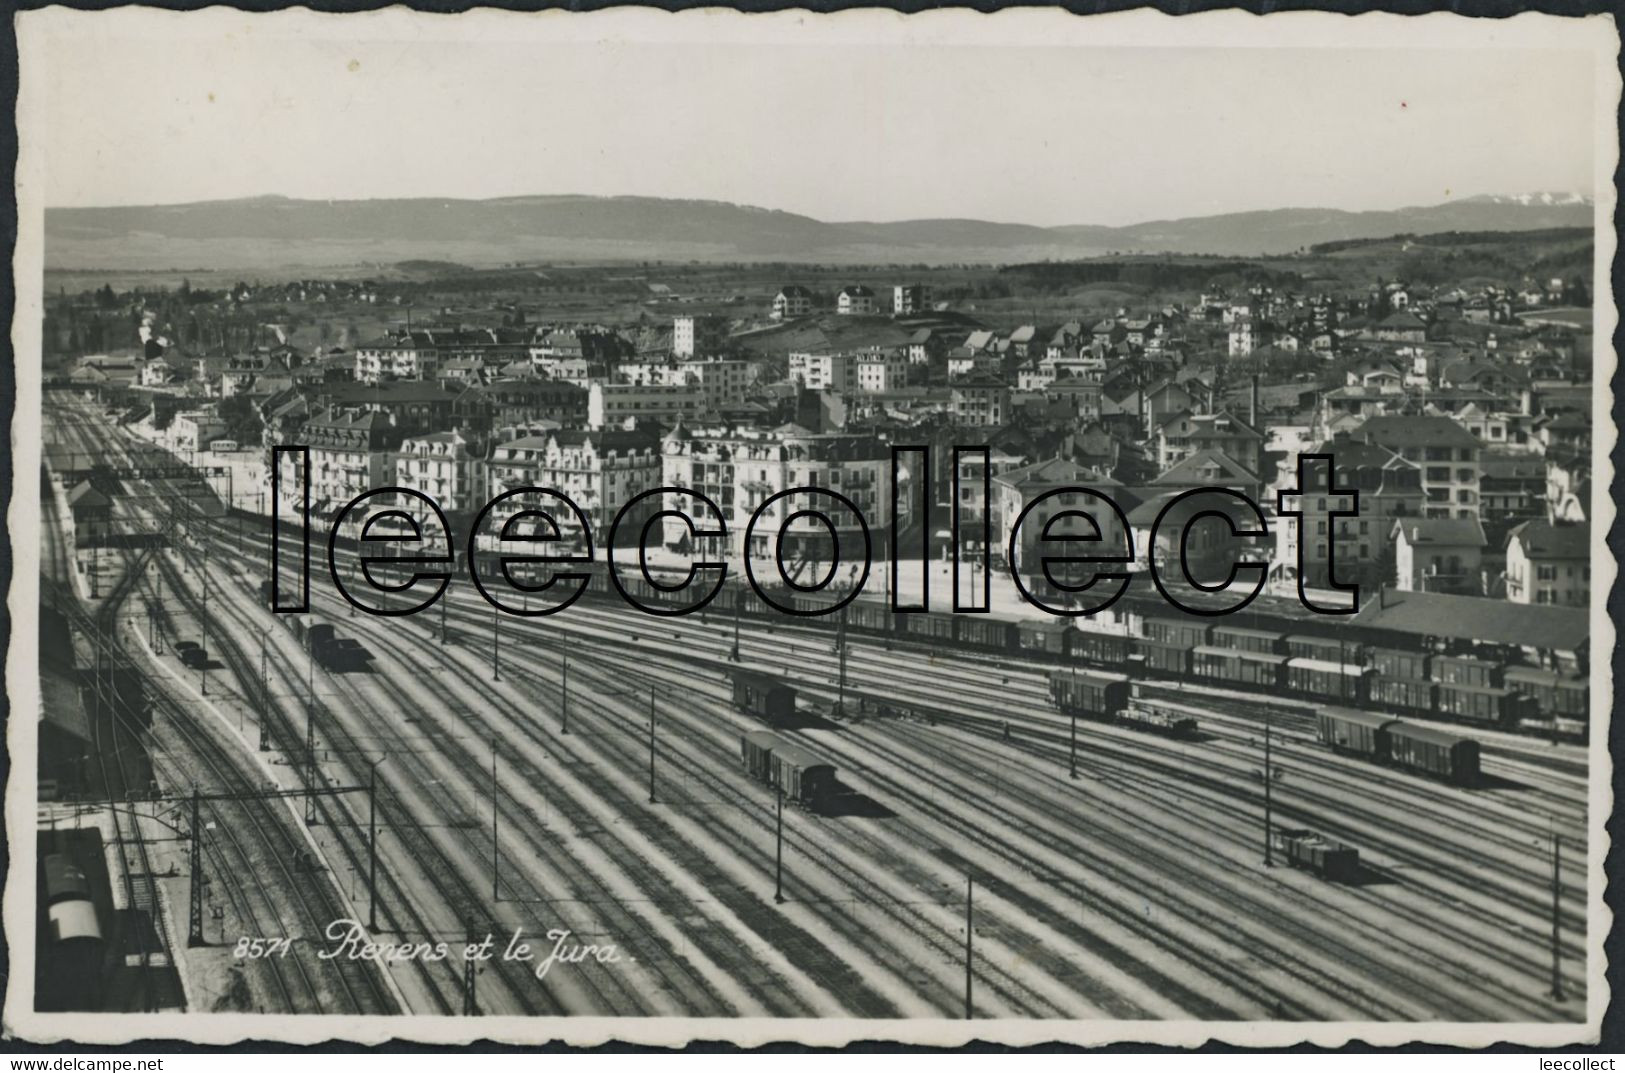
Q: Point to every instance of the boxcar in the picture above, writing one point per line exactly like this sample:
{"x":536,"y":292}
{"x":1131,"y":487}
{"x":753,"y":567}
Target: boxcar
{"x":815,"y":609}
{"x":1316,"y":853}
{"x":1243,"y":639}
{"x":1465,"y":671}
{"x":869,"y":616}
{"x":1403,"y":694}
{"x":804,"y":777}
{"x":1539,"y":684}
{"x":981,"y":631}
{"x":1088,"y":693}
{"x":638,"y":586}
{"x":1348,"y":730}
{"x":599,"y":584}
{"x":1398,"y":663}
{"x":1478,"y":704}
{"x":1573,"y":697}
{"x":1433,"y":752}
{"x":1552,"y":694}
{"x":751,"y":605}
{"x":1237,"y":667}
{"x":1100,"y":649}
{"x":1176,"y":631}
{"x":723,"y":601}
{"x":1041,"y":638}
{"x":1329,"y":649}
{"x":756,"y":751}
{"x":764,"y":697}
{"x":1163,"y":659}
{"x":1344,"y":682}
{"x":930,"y":624}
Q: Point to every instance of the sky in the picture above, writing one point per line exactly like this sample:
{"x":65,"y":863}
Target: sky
{"x":1041,"y":135}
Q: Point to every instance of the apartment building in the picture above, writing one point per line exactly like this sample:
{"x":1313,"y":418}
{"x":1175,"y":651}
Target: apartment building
{"x":1549,"y":564}
{"x":739,"y":468}
{"x":613,"y":405}
{"x":600,"y":470}
{"x":1447,"y":454}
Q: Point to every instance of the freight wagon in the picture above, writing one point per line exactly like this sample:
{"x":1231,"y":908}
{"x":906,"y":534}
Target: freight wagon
{"x":1242,"y":639}
{"x":805,"y":778}
{"x":1465,"y":671}
{"x":1158,"y":720}
{"x":1089,"y":694}
{"x":1359,"y":733}
{"x":1162,"y":659}
{"x":1041,"y":638}
{"x":1176,"y":631}
{"x":1330,"y":649}
{"x":764,"y":697}
{"x":1341,"y":682}
{"x":756,"y":751}
{"x":1237,"y":667}
{"x":1550,"y":694}
{"x":312,"y":632}
{"x":930,"y":626}
{"x":1403,"y":694}
{"x":1396,"y":663}
{"x":1383,"y":739}
{"x":869,"y":616}
{"x":1099,"y":649}
{"x":981,"y":631}
{"x":1316,"y":853}
{"x":1433,"y":752}
{"x":1481,"y":704}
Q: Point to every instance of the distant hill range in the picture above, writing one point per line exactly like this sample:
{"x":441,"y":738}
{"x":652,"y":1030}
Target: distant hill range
{"x":265,"y":232}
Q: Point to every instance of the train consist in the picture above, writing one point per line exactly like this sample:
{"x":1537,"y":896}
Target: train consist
{"x":1342,"y":664}
{"x":330,"y":651}
{"x":1109,"y":698}
{"x":1383,"y":739}
{"x":804,"y":777}
{"x":1348,"y":667}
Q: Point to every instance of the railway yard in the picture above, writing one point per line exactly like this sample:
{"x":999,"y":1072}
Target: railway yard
{"x":578,"y":781}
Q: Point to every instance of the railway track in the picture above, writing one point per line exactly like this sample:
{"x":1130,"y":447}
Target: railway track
{"x":1058,"y":745}
{"x":961,"y":749}
{"x":315,"y":904}
{"x":293,"y":980}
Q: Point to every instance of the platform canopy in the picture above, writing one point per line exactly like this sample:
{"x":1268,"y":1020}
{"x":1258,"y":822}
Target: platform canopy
{"x":1475,"y":618}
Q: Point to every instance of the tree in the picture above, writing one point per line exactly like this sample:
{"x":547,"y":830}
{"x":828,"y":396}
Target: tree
{"x":241,"y":419}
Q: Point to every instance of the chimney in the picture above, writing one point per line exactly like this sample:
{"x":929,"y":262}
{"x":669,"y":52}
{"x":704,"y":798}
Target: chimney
{"x":1252,"y":404}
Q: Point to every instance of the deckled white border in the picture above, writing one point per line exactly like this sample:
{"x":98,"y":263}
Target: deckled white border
{"x":1596,"y":36}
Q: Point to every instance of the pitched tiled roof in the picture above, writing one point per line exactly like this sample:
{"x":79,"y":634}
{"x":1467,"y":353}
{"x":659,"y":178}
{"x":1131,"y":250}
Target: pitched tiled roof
{"x":1421,"y":532}
{"x":1476,"y":618}
{"x":1541,"y":539}
{"x":1394,"y":430}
